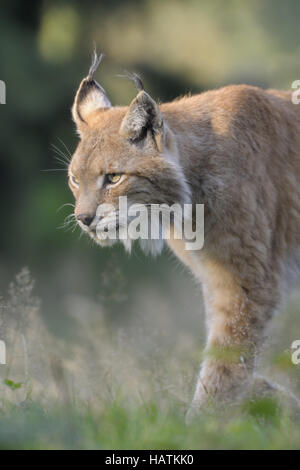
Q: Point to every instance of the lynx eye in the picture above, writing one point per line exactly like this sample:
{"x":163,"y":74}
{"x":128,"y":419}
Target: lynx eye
{"x":113,"y":178}
{"x":74,"y":181}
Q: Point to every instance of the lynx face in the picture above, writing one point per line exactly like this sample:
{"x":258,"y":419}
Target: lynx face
{"x":122,"y":152}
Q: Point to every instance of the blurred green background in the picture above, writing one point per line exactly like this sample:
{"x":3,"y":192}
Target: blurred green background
{"x":144,"y":314}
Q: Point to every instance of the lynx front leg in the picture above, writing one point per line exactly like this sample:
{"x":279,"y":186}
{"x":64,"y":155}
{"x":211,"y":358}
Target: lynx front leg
{"x":239,"y":301}
{"x":236,"y":319}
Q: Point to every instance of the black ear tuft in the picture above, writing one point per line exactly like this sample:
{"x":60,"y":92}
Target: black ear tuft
{"x":135,"y":78}
{"x":96,"y":61}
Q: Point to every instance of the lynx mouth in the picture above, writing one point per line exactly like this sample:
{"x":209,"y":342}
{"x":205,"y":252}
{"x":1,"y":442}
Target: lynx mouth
{"x":102,"y":232}
{"x":100,"y":240}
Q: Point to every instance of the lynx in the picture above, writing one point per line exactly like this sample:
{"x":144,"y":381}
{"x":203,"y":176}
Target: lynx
{"x":237,"y":151}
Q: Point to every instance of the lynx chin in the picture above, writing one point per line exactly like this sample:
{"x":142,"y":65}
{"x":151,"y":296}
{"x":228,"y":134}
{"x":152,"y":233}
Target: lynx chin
{"x":236,"y":150}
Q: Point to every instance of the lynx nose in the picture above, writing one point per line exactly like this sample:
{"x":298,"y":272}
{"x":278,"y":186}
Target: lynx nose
{"x":86,"y":219}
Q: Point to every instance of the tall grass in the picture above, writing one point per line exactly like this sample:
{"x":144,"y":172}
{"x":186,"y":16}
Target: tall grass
{"x":106,"y":386}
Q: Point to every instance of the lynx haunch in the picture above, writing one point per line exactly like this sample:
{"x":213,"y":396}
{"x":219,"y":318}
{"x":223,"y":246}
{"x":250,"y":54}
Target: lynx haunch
{"x":237,"y":151}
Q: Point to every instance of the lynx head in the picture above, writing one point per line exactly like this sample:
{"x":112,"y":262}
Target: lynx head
{"x":123,"y":151}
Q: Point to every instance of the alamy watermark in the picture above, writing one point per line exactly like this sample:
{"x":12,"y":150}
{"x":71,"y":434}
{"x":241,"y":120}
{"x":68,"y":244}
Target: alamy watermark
{"x":151,"y":222}
{"x":2,"y":353}
{"x":296,"y":352}
{"x":2,"y":92}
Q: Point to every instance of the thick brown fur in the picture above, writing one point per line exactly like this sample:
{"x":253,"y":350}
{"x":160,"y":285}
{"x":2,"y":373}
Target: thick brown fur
{"x":237,"y":151}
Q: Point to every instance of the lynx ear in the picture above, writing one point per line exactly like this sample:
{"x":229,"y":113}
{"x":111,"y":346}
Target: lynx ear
{"x":89,"y":97}
{"x":143,"y":118}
